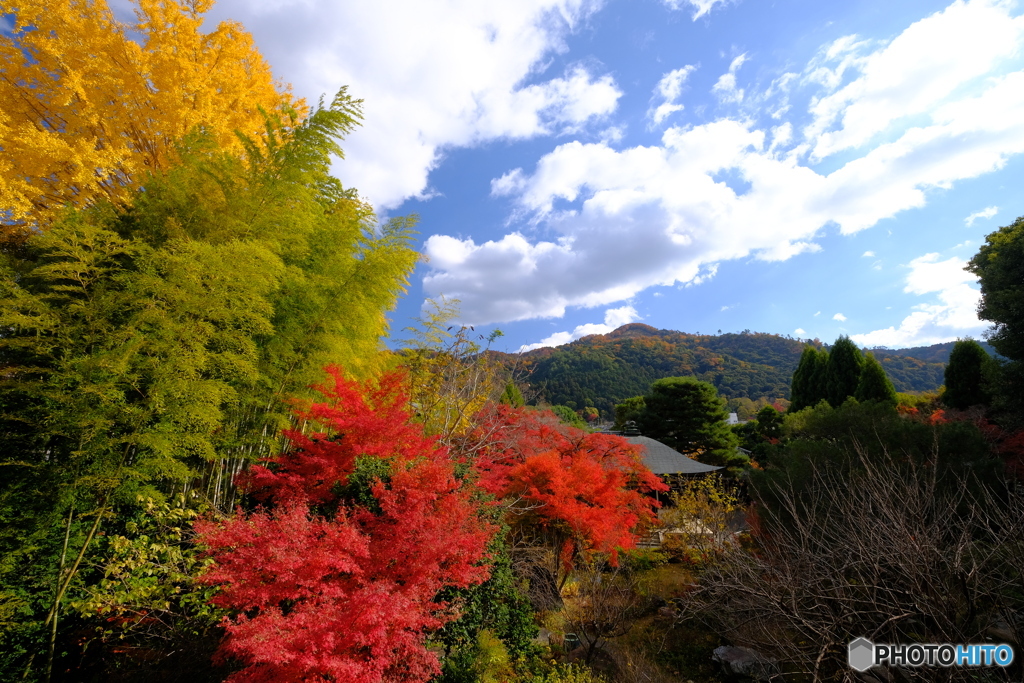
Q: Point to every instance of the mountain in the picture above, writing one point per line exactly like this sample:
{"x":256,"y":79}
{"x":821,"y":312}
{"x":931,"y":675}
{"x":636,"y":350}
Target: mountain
{"x":603,"y":369}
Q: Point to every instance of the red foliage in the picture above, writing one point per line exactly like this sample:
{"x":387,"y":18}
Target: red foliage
{"x":589,"y":488}
{"x":325,"y":589}
{"x":906,"y":410}
{"x":362,"y":420}
{"x":1009,"y":445}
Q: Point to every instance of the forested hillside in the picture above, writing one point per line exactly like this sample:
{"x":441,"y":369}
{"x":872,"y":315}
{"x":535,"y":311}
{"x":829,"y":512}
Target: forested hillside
{"x":601,"y":370}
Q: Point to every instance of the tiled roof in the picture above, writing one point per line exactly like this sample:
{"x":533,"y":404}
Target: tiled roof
{"x":661,"y":459}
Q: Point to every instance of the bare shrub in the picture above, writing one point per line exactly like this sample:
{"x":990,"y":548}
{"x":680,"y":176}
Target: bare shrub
{"x":606,"y":605}
{"x":884,"y":552}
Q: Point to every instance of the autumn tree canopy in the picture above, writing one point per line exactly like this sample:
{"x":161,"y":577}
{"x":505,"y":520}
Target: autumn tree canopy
{"x":365,"y":522}
{"x":574,"y":491}
{"x":90,"y":103}
{"x":152,"y":348}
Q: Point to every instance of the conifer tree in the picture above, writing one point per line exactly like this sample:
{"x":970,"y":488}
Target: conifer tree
{"x":798,"y":388}
{"x":512,"y":396}
{"x":965,"y":381}
{"x":805,"y":387}
{"x":874,"y":384}
{"x":808,"y":386}
{"x":842,"y":374}
{"x":688,"y":415}
{"x":819,"y":378}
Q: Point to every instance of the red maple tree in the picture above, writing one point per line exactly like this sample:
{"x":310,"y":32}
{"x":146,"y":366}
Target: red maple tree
{"x":328,"y":585}
{"x":579,"y":492}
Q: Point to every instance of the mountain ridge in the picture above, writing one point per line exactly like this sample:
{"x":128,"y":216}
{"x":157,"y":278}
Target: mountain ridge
{"x":601,"y":370}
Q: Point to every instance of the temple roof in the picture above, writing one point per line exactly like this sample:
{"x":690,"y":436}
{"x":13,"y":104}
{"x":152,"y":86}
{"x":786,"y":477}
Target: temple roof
{"x":661,"y":459}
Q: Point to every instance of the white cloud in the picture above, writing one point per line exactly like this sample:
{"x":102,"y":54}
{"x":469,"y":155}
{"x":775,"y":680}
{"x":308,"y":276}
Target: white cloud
{"x":663,"y":111}
{"x":432,"y":74}
{"x":987,"y":212}
{"x":613,"y":319}
{"x":725,"y":88}
{"x":699,"y":7}
{"x":633,"y":228}
{"x":667,"y":92}
{"x":915,"y":73}
{"x":817,"y":314}
{"x":869,"y":254}
{"x":840,"y":317}
{"x":670,"y":87}
{"x":799,"y":331}
{"x":951,"y":314}
{"x":781,"y":136}
{"x":665,"y":215}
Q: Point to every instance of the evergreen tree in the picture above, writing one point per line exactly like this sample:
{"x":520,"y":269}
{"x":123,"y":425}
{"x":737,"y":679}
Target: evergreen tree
{"x":569,"y":416}
{"x":999,"y":265}
{"x":842,"y":373}
{"x":627,"y":411}
{"x":818,"y":384}
{"x":806,"y":388}
{"x":512,"y":396}
{"x":874,"y":384}
{"x":769,"y":423}
{"x":965,"y":385}
{"x":688,"y":415}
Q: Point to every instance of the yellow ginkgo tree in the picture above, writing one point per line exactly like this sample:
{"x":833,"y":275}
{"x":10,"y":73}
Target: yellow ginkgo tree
{"x":89,"y":104}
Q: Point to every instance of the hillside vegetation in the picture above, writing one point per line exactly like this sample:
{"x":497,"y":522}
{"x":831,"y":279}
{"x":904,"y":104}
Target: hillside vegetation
{"x":602,"y":370}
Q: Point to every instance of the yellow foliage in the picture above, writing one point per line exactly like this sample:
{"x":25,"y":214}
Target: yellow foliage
{"x":450,"y":377}
{"x":493,"y":665}
{"x":89,"y":104}
{"x":698,"y":519}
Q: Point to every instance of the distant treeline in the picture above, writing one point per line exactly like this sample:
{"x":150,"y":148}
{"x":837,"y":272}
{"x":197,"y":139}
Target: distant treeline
{"x":602,"y":370}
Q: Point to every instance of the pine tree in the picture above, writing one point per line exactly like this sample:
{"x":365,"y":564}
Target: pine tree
{"x":688,"y":415}
{"x":965,"y":381}
{"x":874,"y":384}
{"x":842,"y":374}
{"x":512,"y":396}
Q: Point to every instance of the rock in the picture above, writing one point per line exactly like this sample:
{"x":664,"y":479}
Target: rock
{"x":1000,"y":630}
{"x":742,"y":661}
{"x":668,"y":611}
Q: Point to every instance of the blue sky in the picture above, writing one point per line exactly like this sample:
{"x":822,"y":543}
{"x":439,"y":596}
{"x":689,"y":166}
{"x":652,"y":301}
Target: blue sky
{"x":798,"y":167}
